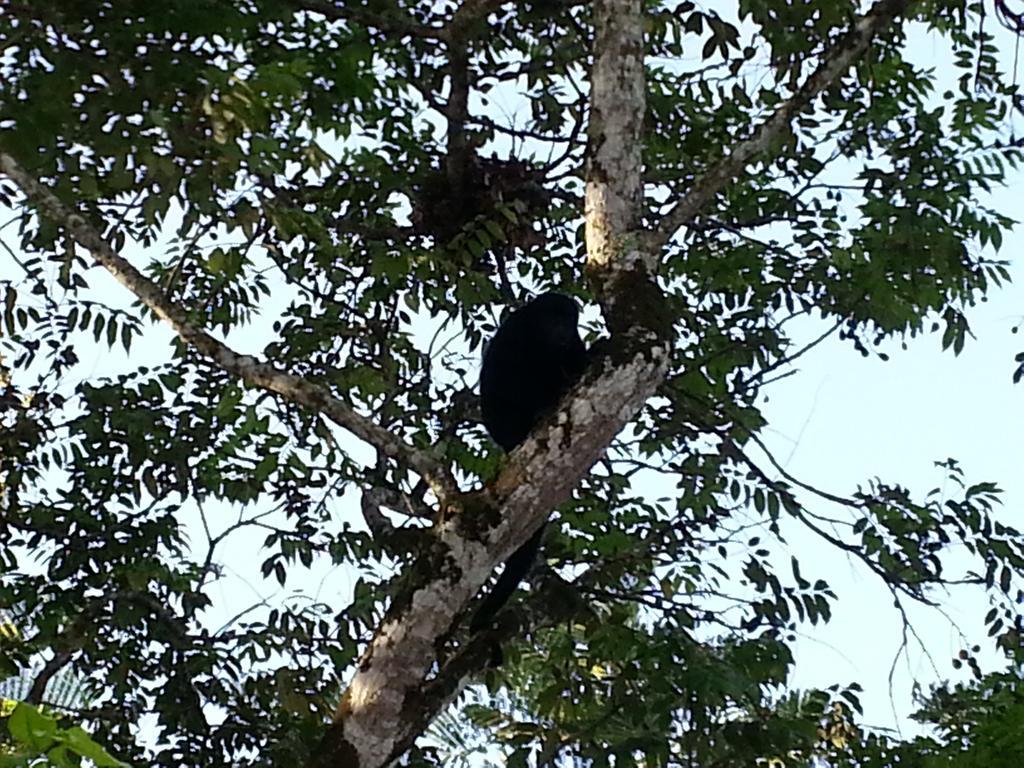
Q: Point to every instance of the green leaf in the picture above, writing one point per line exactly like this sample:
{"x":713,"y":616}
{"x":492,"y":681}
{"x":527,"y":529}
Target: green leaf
{"x":32,"y":728}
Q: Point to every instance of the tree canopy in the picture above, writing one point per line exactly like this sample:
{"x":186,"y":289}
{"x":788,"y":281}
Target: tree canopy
{"x":251,"y":253}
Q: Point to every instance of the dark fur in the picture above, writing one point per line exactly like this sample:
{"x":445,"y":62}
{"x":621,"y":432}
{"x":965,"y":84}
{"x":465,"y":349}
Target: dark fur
{"x":533,"y":360}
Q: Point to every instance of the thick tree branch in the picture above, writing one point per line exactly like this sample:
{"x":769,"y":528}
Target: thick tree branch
{"x":46,"y":674}
{"x":380,"y":711}
{"x":384,"y":706}
{"x":247,"y":368}
{"x":456,"y":111}
{"x":554,"y":601}
{"x":847,"y":50}
{"x":615,"y":145}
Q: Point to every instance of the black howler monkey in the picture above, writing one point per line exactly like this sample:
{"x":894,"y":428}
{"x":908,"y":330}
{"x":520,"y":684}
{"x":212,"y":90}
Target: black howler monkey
{"x":533,"y":360}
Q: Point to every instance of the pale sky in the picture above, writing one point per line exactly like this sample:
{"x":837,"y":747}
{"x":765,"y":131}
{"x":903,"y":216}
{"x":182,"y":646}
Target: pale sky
{"x":846,"y":419}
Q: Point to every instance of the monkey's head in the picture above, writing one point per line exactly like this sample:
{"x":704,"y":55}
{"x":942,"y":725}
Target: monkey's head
{"x":554,"y":318}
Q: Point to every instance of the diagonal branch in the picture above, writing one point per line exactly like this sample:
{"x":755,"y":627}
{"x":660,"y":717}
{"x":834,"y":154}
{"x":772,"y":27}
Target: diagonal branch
{"x":389,"y":697}
{"x":382,"y":709}
{"x":846,"y":51}
{"x":46,"y":674}
{"x":247,"y":368}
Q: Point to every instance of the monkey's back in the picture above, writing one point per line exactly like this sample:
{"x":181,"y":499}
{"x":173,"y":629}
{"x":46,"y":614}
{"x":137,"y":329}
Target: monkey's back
{"x":533,"y":360}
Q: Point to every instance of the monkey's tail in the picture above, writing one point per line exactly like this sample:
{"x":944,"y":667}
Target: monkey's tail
{"x":516,"y":567}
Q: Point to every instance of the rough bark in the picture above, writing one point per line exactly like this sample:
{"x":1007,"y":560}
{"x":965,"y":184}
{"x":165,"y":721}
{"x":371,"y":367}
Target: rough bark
{"x":381,"y":712}
{"x":615,"y":142}
{"x":383,"y":709}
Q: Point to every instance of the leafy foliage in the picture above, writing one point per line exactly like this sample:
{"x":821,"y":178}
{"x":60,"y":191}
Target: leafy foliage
{"x":295,"y":175}
{"x":36,"y":734}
